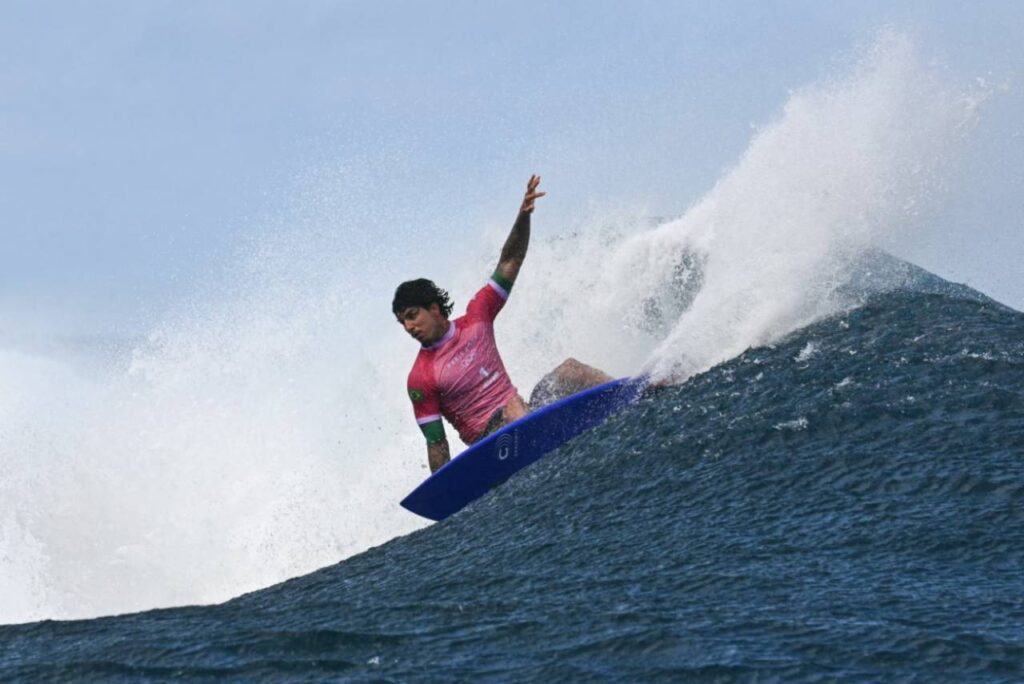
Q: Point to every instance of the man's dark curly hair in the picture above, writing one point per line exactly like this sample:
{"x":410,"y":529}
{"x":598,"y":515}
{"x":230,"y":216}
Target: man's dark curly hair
{"x":420,"y":292}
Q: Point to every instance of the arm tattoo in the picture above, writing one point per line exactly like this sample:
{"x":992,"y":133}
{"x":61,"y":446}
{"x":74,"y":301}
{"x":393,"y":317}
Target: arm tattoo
{"x":437,"y":455}
{"x":518,"y":240}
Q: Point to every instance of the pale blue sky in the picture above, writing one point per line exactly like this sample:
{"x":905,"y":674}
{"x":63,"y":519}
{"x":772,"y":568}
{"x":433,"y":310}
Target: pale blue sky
{"x":141,"y":142}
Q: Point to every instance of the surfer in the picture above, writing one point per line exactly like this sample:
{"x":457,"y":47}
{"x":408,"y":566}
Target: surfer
{"x":458,"y":373}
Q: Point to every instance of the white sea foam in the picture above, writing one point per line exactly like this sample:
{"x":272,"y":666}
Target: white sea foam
{"x":808,"y":351}
{"x":264,"y":432}
{"x":795,"y":425}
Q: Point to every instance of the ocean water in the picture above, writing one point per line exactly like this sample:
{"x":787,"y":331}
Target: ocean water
{"x":829,"y":487}
{"x":846,"y":503}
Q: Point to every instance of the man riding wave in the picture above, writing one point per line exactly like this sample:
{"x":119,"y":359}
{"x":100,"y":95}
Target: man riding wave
{"x":458,"y":373}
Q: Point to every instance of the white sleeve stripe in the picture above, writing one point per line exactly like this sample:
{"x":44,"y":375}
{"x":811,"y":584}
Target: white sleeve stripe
{"x":498,"y":288}
{"x":428,"y":419}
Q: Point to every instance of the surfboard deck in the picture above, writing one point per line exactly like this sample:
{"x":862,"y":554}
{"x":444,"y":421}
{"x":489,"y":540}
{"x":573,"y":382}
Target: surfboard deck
{"x":494,"y":459}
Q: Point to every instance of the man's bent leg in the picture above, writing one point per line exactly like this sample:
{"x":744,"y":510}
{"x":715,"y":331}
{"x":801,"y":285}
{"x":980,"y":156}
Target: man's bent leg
{"x":570,"y":377}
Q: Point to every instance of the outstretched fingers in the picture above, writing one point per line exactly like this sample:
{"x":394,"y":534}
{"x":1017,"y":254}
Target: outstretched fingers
{"x":531,"y":194}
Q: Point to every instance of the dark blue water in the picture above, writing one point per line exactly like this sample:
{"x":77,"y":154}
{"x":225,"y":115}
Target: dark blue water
{"x":847,"y":504}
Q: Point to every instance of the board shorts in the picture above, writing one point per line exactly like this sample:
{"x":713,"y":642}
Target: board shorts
{"x":495,"y":423}
{"x":547,"y":391}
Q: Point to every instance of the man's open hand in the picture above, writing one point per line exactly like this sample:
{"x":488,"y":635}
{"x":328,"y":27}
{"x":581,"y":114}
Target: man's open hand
{"x":531,"y":195}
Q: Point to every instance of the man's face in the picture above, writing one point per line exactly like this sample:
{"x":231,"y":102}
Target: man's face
{"x":425,"y":324}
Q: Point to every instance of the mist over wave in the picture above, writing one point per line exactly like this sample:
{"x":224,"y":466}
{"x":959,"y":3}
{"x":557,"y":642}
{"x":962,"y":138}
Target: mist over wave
{"x":264,"y":432}
{"x":774,"y":245}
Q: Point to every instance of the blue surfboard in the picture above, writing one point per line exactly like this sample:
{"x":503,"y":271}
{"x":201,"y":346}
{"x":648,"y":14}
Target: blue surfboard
{"x":494,"y":459}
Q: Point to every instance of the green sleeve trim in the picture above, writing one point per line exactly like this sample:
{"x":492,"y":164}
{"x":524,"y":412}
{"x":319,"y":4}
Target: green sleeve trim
{"x":433,"y":431}
{"x":502,"y":280}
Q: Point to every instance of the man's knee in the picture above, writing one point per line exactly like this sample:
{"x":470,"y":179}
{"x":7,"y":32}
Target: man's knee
{"x":567,"y":378}
{"x":579,"y":375}
{"x":570,"y":368}
{"x":556,"y":384}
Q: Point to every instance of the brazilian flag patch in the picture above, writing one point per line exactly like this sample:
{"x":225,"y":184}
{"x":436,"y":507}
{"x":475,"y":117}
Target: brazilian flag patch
{"x":415,"y":395}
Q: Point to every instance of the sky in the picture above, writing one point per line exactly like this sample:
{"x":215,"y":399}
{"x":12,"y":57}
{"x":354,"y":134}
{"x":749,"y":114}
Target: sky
{"x":146,"y":147}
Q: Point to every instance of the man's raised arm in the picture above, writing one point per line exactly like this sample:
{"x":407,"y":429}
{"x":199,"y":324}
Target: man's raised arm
{"x":514,"y":251}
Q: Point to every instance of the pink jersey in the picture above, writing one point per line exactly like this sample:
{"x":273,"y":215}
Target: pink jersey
{"x":461,"y":376}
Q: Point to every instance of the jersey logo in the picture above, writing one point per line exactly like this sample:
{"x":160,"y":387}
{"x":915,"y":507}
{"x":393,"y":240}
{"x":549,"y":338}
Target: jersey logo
{"x":415,"y":395}
{"x":489,"y":378}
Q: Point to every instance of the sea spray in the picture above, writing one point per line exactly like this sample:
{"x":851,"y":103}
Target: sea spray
{"x":850,"y":162}
{"x":256,"y":434}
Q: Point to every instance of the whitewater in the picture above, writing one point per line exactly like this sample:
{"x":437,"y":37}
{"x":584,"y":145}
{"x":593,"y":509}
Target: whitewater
{"x":261,"y":431}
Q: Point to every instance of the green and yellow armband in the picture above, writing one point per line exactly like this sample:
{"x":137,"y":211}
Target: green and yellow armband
{"x":505,"y":283}
{"x":433,"y":431}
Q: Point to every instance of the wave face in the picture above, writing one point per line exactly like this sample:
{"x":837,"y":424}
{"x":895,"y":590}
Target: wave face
{"x":845,"y":503}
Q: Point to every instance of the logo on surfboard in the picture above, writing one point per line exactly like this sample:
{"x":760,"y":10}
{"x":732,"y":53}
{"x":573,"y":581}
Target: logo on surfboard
{"x":507,"y":446}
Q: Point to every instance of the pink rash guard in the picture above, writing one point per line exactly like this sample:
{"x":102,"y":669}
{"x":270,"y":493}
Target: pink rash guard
{"x":461,"y":376}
